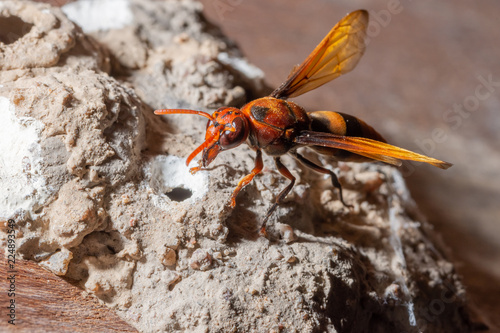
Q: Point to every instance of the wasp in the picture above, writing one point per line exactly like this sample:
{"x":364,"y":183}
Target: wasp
{"x":277,"y":126}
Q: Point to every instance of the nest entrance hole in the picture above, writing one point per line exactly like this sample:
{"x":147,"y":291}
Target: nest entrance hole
{"x":179,"y":194}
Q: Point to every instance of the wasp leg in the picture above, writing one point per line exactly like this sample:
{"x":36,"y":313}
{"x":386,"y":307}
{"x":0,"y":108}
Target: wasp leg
{"x":281,"y":196}
{"x":317,"y":168}
{"x":259,"y":165}
{"x":194,"y":170}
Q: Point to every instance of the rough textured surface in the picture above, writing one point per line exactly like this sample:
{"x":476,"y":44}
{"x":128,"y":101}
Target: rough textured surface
{"x":163,"y":249}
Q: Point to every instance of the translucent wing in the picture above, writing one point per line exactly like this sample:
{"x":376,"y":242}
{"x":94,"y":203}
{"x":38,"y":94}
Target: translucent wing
{"x":337,"y":54}
{"x":366,"y":147}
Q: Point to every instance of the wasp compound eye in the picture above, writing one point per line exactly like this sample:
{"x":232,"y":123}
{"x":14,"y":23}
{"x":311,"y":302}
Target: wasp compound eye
{"x":236,"y":136}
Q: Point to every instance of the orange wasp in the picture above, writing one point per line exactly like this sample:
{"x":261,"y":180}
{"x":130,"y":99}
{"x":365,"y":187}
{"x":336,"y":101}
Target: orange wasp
{"x":277,"y":126}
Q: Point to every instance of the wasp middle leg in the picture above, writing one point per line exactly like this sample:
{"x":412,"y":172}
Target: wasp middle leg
{"x":281,"y":196}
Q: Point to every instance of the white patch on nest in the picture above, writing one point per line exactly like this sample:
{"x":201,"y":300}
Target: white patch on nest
{"x":99,"y":15}
{"x":21,"y":183}
{"x":170,"y":172}
{"x":250,"y":71}
{"x":397,"y":223}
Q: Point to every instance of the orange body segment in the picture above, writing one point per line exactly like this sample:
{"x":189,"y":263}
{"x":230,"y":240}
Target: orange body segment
{"x":274,"y":123}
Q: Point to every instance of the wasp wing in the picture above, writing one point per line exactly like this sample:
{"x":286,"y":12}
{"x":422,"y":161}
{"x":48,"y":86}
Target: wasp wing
{"x":366,"y":147}
{"x":337,"y":54}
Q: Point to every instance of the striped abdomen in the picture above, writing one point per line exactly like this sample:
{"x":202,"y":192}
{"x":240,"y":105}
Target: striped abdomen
{"x":345,"y":125}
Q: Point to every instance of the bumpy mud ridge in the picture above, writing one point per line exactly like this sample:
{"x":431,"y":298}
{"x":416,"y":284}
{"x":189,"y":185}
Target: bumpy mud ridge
{"x":101,"y":194}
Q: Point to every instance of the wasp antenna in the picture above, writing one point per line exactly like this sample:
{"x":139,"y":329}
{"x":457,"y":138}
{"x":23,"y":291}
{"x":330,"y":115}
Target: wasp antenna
{"x":172,"y":111}
{"x":201,"y":147}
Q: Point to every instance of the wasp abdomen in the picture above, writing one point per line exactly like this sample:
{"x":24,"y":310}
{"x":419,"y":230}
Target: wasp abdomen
{"x":344,"y":125}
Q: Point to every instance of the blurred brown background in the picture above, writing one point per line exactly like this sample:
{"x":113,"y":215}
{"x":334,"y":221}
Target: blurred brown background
{"x":429,"y":81}
{"x":423,"y":83}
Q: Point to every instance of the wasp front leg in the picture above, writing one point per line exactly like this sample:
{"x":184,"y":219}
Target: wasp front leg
{"x":259,"y":165}
{"x":194,"y":170}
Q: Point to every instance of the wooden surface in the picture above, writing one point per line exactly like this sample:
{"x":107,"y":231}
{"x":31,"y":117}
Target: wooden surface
{"x":423,"y":59}
{"x":47,"y":303}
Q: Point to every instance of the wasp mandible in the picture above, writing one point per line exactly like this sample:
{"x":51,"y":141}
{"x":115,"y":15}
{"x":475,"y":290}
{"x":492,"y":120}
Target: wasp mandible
{"x":277,"y":126}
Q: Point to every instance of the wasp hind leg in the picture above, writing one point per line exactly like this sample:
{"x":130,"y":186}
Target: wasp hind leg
{"x":317,"y":168}
{"x":281,"y":196}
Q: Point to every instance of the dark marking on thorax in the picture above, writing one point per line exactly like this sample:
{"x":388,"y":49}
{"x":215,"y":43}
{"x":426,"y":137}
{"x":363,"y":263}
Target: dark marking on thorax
{"x":259,"y":112}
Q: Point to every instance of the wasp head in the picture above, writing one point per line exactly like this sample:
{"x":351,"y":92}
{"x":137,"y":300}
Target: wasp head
{"x":226,"y":128}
